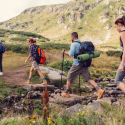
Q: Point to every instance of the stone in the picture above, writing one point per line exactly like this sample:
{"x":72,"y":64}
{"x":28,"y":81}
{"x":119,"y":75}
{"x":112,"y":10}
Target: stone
{"x":111,"y":85}
{"x":73,"y":110}
{"x":41,"y":87}
{"x":66,"y":101}
{"x":94,"y":107}
{"x":27,"y":88}
{"x":113,"y":92}
{"x":53,"y":74}
{"x":106,"y":100}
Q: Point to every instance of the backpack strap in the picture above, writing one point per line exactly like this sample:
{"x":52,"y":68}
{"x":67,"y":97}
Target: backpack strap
{"x":75,"y":56}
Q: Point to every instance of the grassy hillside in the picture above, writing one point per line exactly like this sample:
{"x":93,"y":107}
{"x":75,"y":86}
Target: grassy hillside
{"x":11,"y":36}
{"x":92,"y":19}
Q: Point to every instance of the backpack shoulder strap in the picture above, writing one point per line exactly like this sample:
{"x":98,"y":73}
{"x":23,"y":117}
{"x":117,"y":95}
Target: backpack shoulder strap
{"x":78,"y":42}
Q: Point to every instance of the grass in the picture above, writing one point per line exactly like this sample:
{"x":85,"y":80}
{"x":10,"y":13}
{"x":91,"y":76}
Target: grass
{"x":113,"y":115}
{"x":13,"y":60}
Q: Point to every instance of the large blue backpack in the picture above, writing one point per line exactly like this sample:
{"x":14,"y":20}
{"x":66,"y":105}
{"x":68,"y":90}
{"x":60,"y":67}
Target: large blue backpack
{"x":85,"y":47}
{"x":2,"y":48}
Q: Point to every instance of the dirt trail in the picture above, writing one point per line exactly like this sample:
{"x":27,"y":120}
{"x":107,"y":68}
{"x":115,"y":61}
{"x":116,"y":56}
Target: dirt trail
{"x":18,"y":76}
{"x":57,"y":56}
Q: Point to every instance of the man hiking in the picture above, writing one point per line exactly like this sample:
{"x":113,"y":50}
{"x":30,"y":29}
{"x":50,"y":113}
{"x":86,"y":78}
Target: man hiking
{"x":2,"y":50}
{"x":78,"y":69}
{"x":35,"y":65}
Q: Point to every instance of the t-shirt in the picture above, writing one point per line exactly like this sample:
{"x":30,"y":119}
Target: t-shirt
{"x":74,"y":49}
{"x":33,"y":52}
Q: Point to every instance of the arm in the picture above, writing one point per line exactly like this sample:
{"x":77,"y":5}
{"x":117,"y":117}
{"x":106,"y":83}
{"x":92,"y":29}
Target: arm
{"x":28,"y":58}
{"x":121,"y":68}
{"x":66,"y":53}
{"x":71,"y":51}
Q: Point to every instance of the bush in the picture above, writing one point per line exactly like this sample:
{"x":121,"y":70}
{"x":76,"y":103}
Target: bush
{"x":66,"y":65}
{"x":1,"y":35}
{"x":114,"y":53}
{"x":19,"y":39}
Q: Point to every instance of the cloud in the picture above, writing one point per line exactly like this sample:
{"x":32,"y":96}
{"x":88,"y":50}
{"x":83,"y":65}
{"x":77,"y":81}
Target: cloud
{"x":12,"y":8}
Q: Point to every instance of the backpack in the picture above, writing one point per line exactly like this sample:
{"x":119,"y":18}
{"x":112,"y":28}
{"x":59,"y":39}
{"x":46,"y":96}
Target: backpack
{"x":2,"y":48}
{"x":85,"y":47}
{"x":40,"y":55}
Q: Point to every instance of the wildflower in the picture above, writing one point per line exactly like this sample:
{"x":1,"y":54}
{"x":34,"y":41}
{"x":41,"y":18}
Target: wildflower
{"x":78,"y":113}
{"x":87,"y":112}
{"x":83,"y":112}
{"x":70,"y":119}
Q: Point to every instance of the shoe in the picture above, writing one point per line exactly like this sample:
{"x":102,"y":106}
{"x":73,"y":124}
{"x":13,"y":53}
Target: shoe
{"x":67,"y":95}
{"x":44,"y":82}
{"x":1,"y":73}
{"x":28,"y":82}
{"x":100,"y":93}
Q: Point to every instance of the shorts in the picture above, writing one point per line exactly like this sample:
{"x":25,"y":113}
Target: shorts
{"x":35,"y":65}
{"x":119,"y":76}
{"x":75,"y":71}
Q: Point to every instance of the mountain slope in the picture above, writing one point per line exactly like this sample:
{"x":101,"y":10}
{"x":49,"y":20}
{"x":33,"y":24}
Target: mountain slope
{"x":92,"y":19}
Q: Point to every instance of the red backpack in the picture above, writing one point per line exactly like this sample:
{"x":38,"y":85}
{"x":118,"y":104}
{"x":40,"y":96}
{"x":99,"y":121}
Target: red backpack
{"x":40,"y":55}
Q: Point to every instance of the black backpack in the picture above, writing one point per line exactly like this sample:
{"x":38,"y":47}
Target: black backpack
{"x":2,"y":48}
{"x":85,"y":47}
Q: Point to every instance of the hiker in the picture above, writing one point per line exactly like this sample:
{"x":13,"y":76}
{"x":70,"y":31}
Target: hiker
{"x":120,"y":26}
{"x":35,"y":65}
{"x":2,"y":50}
{"x":78,"y":69}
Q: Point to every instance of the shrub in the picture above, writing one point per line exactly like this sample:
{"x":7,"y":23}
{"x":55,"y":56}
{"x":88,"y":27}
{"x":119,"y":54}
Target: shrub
{"x":18,"y":39}
{"x":66,"y":65}
{"x":80,"y":28}
{"x":114,"y":53}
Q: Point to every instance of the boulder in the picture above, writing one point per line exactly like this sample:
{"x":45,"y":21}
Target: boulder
{"x":53,"y":74}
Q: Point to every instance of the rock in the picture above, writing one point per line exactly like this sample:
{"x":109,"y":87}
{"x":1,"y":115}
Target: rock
{"x":73,"y":110}
{"x":113,"y":92}
{"x":41,"y":87}
{"x":117,"y":0}
{"x":104,"y":17}
{"x":106,"y":100}
{"x":111,"y":85}
{"x":27,"y":88}
{"x":60,"y":20}
{"x":66,"y":101}
{"x":98,"y":79}
{"x":95,"y":107}
{"x":53,"y":74}
{"x":36,"y":95}
{"x":57,"y":91}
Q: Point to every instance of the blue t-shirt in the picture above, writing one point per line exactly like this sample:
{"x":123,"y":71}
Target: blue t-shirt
{"x":74,"y":49}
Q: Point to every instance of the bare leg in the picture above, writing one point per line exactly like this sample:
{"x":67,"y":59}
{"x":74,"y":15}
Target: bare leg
{"x":68,"y":85}
{"x":31,"y":72}
{"x":40,"y":73}
{"x":122,"y":86}
{"x":93,"y":83}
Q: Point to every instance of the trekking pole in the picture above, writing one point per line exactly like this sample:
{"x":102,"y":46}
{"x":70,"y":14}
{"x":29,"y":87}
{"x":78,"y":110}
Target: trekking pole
{"x":62,"y":72}
{"x":79,"y":85}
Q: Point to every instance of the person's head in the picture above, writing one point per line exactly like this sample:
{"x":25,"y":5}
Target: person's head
{"x":32,"y":41}
{"x":120,"y":24}
{"x":74,"y":36}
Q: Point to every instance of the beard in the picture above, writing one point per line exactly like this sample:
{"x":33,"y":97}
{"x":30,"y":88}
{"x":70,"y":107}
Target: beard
{"x":72,"y":41}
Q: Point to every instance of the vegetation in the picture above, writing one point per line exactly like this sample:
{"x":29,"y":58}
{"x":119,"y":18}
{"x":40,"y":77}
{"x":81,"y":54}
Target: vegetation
{"x":114,"y":53}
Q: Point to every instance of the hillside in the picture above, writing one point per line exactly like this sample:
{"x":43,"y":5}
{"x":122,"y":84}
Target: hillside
{"x":92,"y":19}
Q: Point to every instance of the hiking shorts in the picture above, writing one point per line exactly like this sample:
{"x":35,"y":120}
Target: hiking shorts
{"x":75,"y":71}
{"x":119,"y":76}
{"x":35,"y":65}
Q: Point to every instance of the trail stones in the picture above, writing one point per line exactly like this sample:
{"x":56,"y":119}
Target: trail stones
{"x":66,"y":101}
{"x":53,"y":74}
{"x":73,"y":110}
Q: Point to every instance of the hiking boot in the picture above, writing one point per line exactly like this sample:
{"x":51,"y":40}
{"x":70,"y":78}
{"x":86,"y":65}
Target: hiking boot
{"x":1,"y":73}
{"x":67,"y":95}
{"x":100,"y":93}
{"x":28,"y":82}
{"x":44,"y":82}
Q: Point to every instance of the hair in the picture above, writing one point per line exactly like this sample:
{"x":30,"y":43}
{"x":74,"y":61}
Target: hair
{"x":75,"y":34}
{"x":120,"y":20}
{"x":32,"y":40}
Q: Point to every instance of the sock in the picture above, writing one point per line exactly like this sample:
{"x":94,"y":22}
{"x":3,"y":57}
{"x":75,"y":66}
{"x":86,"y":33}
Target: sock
{"x":44,"y":79}
{"x":67,"y":90}
{"x":97,"y":88}
{"x":29,"y":78}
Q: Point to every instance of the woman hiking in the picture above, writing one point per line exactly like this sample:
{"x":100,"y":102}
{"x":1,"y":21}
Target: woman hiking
{"x":35,"y":65}
{"x":120,"y":26}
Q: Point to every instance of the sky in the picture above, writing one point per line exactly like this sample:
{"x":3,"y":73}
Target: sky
{"x":12,"y":8}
